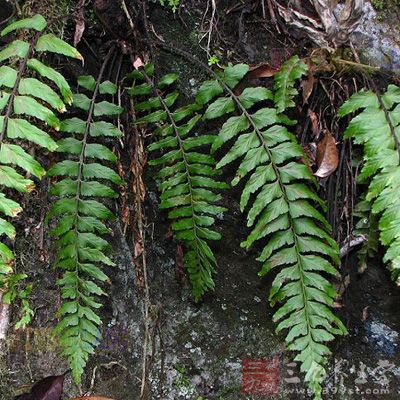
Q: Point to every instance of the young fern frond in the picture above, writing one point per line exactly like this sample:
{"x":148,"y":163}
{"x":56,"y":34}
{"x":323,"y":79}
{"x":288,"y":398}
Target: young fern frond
{"x":81,"y":220}
{"x":26,"y":102}
{"x":285,"y":83}
{"x":282,"y":207}
{"x":187,"y":176}
{"x":377,"y":128}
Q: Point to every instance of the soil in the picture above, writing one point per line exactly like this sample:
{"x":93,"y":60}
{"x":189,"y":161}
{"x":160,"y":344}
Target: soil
{"x":197,"y":350}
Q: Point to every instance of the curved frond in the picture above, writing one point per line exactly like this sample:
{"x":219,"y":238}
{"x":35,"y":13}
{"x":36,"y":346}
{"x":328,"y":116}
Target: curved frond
{"x":282,"y":209}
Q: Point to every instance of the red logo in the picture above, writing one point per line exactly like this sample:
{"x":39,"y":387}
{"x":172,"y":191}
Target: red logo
{"x":260,"y":376}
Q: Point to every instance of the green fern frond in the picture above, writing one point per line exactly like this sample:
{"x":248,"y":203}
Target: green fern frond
{"x":377,"y":127}
{"x":187,"y":176}
{"x":81,"y":222}
{"x":285,"y":83}
{"x":26,"y":102}
{"x":282,"y":208}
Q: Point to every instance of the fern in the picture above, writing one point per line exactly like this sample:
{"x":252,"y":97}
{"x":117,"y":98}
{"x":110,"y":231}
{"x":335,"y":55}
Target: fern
{"x":187,"y":177}
{"x":282,"y":208}
{"x":377,"y":127}
{"x":174,"y":4}
{"x":81,"y":217}
{"x":285,"y":83}
{"x":25,"y":103}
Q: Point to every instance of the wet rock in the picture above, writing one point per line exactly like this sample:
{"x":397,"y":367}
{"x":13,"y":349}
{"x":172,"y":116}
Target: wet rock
{"x":377,"y":38}
{"x":382,"y":337}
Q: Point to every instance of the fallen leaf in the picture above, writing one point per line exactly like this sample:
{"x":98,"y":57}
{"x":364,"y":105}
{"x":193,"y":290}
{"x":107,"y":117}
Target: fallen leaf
{"x":314,"y":123}
{"x":261,"y":71}
{"x":79,"y":18}
{"x":327,"y":156}
{"x":49,"y":388}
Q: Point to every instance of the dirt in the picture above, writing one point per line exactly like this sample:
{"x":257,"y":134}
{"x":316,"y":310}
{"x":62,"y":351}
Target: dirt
{"x":197,"y":350}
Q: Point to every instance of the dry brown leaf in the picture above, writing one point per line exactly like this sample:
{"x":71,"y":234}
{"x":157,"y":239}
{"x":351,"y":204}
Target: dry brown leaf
{"x":49,"y":388}
{"x":314,"y":118}
{"x":261,"y":71}
{"x":327,"y":156}
{"x":79,"y":18}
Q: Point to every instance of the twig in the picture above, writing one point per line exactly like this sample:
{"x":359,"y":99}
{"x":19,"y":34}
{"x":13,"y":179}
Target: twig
{"x":17,"y":7}
{"x":346,"y":248}
{"x":128,"y":16}
{"x":272,"y":15}
{"x":108,"y":366}
{"x":140,"y":255}
{"x":208,"y":32}
{"x":210,"y":29}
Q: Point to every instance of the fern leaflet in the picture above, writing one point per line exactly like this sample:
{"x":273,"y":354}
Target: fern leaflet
{"x":285,"y":90}
{"x":81,"y":220}
{"x":188,"y":176}
{"x":377,"y":128}
{"x":281,"y":207}
{"x":25,"y":103}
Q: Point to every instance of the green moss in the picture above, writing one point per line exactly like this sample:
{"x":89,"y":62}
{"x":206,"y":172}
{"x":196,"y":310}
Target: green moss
{"x":378,"y":4}
{"x":384,"y":5}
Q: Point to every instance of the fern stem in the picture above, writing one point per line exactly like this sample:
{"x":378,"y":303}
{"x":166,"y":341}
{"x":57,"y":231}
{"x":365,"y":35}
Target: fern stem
{"x":82,"y":154}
